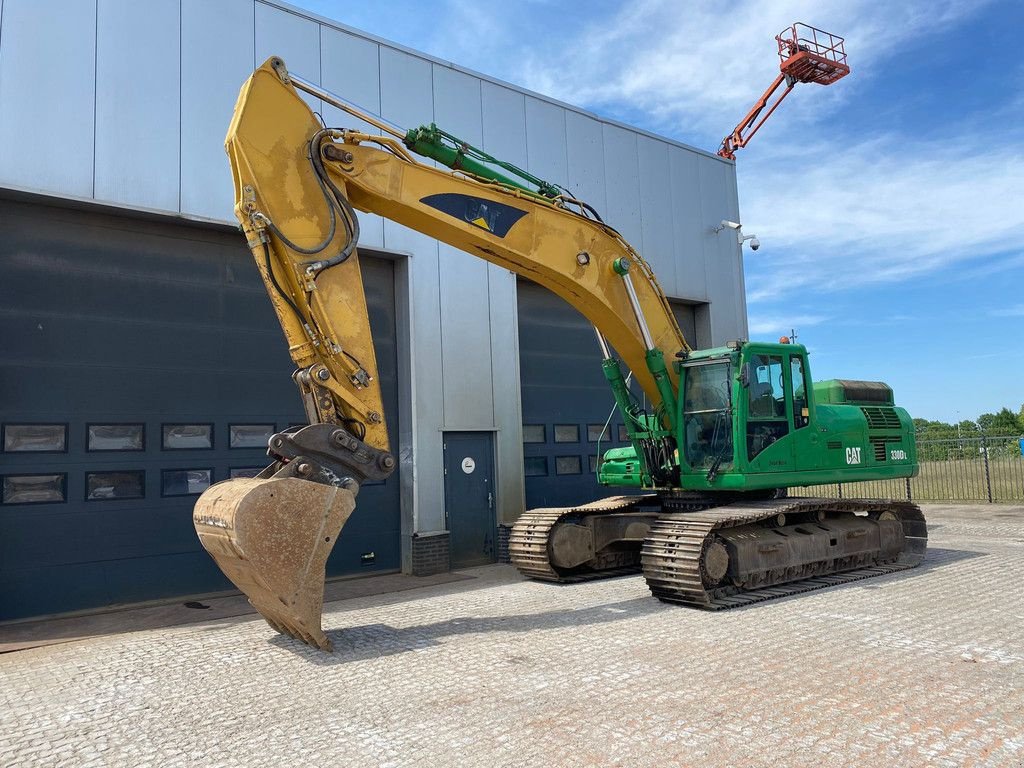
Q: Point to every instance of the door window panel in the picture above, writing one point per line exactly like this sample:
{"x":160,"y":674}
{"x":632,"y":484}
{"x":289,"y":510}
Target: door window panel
{"x":35,"y":438}
{"x":249,"y":435}
{"x":568,"y":465}
{"x":567,"y":433}
{"x":800,"y":413}
{"x":766,"y":404}
{"x":185,"y":482}
{"x":766,"y":393}
{"x":115,"y":485}
{"x":534,"y":433}
{"x":185,"y":436}
{"x":116,"y":437}
{"x":34,"y":489}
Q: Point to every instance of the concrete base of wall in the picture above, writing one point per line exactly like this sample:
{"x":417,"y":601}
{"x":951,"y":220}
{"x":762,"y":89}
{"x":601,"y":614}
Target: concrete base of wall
{"x":430,"y":553}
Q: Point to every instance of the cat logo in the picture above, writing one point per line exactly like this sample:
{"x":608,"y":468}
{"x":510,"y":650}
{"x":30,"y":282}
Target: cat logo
{"x":489,"y":215}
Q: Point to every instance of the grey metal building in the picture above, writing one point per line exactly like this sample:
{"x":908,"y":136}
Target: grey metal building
{"x":141,"y":361}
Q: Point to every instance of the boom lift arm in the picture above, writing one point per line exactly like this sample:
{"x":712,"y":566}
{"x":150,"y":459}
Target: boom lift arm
{"x":807,"y":55}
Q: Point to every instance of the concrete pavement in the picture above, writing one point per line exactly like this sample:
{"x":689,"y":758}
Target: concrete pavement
{"x":924,"y":667}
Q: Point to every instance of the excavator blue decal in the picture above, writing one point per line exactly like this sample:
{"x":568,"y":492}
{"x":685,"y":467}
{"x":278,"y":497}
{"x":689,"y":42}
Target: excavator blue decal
{"x":496,"y":218}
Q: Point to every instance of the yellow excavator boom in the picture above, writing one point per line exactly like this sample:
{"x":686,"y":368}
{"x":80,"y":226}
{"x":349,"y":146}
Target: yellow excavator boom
{"x":296,"y":184}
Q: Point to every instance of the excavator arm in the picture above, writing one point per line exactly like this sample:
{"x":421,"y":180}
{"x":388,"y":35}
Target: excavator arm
{"x":297,"y":185}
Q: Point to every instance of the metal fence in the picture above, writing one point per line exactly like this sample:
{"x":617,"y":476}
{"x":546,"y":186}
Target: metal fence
{"x":985,"y":469}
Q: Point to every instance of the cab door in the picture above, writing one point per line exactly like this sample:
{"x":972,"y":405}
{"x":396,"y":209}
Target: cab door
{"x":805,"y":440}
{"x":769,"y":405}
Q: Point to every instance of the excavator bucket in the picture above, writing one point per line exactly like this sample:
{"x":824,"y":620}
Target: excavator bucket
{"x":272,"y":539}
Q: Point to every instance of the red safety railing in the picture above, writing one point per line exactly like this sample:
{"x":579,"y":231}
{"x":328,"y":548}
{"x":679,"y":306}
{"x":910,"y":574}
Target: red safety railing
{"x":811,"y":55}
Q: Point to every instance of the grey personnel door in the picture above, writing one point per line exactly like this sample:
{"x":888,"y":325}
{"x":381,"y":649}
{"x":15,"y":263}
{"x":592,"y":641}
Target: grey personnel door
{"x":469,"y":497}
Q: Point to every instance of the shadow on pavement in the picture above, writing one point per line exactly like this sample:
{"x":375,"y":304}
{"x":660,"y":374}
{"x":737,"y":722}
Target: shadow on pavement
{"x":219,"y":609}
{"x":375,"y":640}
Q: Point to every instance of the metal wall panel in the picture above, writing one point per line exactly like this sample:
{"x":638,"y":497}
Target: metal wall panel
{"x":217,"y":51}
{"x":656,"y":212}
{"x":504,"y":136}
{"x":47,"y":91}
{"x":623,"y":199}
{"x":295,"y":39}
{"x":465,"y":306}
{"x":406,"y":99}
{"x":737,"y":297}
{"x":722,"y":252}
{"x":350,"y":68}
{"x":585,"y":153}
{"x":546,"y":155}
{"x":504,"y":123}
{"x":690,"y":230}
{"x":137,"y":103}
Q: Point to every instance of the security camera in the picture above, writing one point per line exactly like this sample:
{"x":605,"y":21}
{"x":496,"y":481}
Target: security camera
{"x":754,"y":242}
{"x":729,"y":224}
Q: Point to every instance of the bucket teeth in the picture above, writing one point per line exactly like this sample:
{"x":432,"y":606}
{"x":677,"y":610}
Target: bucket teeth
{"x":272,"y":538}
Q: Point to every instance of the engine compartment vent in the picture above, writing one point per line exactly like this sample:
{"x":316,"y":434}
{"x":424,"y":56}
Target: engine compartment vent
{"x":881,"y":417}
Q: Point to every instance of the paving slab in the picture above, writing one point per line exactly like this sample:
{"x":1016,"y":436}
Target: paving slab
{"x":924,"y":667}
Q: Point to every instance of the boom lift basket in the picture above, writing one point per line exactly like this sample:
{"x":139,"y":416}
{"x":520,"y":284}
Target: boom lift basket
{"x":811,"y":55}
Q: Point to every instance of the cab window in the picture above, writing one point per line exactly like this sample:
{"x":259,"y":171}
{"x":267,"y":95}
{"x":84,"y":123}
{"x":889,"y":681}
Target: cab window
{"x":766,"y":403}
{"x":707,"y":416}
{"x":800,"y":413}
{"x":766,"y":391}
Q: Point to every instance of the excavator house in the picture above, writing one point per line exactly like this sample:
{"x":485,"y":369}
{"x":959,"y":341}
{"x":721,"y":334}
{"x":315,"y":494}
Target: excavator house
{"x":715,"y":435}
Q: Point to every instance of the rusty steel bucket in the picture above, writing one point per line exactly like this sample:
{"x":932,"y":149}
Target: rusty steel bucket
{"x":271,"y":538}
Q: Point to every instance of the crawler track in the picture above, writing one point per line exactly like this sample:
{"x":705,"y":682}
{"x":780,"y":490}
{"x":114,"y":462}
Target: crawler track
{"x":528,"y":541}
{"x":674,"y":556}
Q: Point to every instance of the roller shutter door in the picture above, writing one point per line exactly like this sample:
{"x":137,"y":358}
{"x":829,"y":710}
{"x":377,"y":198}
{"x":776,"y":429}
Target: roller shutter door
{"x":140,"y":360}
{"x":566,"y":399}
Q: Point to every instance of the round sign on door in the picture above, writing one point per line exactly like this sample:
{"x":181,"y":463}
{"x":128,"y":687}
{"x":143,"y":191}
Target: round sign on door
{"x":468,"y":465}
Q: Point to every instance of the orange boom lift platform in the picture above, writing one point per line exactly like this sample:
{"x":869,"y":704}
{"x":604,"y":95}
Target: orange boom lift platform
{"x":808,"y":55}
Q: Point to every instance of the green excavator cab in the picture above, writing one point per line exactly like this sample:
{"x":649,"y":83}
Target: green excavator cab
{"x":749,"y":419}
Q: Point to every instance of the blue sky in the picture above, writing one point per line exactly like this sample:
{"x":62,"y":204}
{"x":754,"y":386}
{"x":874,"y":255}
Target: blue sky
{"x":890,"y":206}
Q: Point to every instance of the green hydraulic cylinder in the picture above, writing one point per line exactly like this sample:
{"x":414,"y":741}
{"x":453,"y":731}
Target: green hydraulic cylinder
{"x":656,"y":365}
{"x":627,"y":407}
{"x":430,"y":141}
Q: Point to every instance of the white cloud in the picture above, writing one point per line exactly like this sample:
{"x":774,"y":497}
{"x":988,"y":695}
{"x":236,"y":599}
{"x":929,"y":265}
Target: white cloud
{"x":761,"y":324}
{"x":878,"y":211}
{"x":698,"y":66}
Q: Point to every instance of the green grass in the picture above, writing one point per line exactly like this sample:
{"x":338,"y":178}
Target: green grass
{"x":953,"y":480}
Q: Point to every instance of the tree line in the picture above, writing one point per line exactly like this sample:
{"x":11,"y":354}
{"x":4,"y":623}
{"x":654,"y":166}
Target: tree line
{"x":961,"y":441}
{"x":1001,"y":424}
